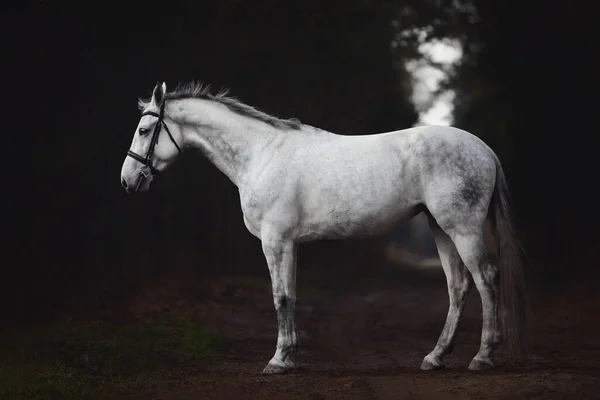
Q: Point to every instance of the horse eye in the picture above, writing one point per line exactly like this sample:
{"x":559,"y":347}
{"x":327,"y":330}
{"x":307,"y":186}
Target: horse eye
{"x":143,"y":131}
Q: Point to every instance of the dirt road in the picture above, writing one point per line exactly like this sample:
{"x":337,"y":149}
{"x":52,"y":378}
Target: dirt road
{"x":367,"y":342}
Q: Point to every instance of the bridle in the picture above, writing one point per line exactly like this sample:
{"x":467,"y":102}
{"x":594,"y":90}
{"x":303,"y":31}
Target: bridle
{"x":148,"y":167}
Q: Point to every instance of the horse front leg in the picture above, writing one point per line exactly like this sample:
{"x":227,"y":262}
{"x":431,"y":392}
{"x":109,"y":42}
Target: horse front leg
{"x":281,"y":259}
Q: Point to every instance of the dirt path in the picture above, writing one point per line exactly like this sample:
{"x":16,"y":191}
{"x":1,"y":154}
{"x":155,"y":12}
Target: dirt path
{"x":367,"y":344}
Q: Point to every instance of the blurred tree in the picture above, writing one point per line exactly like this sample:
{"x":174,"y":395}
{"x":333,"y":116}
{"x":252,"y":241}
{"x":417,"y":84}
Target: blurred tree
{"x":74,"y":78}
{"x":328,"y":63}
{"x":521,"y":86}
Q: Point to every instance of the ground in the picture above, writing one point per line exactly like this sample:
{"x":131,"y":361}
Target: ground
{"x":361,"y":341}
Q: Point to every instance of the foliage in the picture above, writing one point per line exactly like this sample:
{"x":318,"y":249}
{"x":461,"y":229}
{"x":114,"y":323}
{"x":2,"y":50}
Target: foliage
{"x":75,"y":361}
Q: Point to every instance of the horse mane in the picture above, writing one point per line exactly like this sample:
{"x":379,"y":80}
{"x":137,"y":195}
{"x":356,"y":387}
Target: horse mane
{"x":197,"y":90}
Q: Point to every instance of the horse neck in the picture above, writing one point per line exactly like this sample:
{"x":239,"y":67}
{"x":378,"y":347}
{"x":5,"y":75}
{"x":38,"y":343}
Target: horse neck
{"x":232,"y":142}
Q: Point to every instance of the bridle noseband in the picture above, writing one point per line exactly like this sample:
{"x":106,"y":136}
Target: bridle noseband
{"x":157,"y":128}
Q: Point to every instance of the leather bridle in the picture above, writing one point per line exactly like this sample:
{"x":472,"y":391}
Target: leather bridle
{"x":148,"y":167}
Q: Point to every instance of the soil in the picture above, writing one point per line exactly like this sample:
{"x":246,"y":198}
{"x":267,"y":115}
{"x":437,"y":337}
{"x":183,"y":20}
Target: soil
{"x":367,"y":340}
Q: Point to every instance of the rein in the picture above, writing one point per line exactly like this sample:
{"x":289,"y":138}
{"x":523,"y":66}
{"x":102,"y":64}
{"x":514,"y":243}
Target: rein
{"x":148,"y":167}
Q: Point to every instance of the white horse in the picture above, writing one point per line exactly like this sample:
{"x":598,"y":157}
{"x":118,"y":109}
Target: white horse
{"x":299,"y":183}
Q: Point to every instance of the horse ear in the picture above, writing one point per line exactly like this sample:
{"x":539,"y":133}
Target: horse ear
{"x":158,"y":94}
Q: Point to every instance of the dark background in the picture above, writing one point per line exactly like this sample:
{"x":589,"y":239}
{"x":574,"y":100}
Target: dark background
{"x":73,"y":75}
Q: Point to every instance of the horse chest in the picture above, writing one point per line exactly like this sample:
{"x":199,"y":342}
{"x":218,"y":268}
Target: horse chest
{"x":254,"y":205}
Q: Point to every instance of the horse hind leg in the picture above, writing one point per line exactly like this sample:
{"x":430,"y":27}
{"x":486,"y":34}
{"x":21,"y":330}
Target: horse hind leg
{"x":459,"y":282}
{"x":471,"y":248}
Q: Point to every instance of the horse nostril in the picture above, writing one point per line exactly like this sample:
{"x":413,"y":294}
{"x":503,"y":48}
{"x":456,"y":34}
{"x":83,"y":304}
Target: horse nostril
{"x":124,"y":183}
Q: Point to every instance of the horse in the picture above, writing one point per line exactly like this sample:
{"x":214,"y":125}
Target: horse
{"x":299,"y":183}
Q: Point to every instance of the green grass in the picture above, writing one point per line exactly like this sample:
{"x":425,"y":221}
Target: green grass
{"x":87,"y":361}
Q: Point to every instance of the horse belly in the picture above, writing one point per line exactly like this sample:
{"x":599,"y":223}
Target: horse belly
{"x":355,"y":214}
{"x":356,"y":187}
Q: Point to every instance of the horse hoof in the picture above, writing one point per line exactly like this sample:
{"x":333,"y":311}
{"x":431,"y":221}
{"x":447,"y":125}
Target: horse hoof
{"x":274,"y":369}
{"x":432,"y":364}
{"x":481,"y":364}
{"x":278,"y":369}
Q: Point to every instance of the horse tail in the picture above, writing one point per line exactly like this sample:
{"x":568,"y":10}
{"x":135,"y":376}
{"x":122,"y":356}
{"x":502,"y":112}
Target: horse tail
{"x":512,"y":299}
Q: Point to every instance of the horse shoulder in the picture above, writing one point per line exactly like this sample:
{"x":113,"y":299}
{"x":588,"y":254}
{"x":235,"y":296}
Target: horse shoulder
{"x":269,"y":197}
